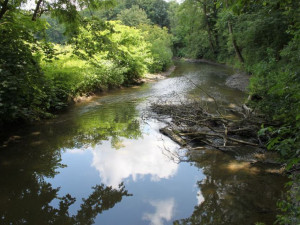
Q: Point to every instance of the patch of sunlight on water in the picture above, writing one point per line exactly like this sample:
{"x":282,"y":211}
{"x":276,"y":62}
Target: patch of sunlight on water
{"x":246,"y":166}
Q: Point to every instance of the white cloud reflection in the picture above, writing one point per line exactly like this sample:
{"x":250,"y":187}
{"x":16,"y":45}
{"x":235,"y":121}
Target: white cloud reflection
{"x":164,"y":210}
{"x":200,"y":198}
{"x":137,"y":159}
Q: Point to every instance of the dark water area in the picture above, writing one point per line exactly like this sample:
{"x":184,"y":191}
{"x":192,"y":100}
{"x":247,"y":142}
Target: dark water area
{"x":105,"y":162}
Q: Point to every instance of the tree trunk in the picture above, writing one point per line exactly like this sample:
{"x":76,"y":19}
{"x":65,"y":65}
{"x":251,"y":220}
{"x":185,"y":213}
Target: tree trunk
{"x":208,"y":28}
{"x":35,"y":13}
{"x":3,"y":9}
{"x":236,"y":48}
{"x":215,"y":15}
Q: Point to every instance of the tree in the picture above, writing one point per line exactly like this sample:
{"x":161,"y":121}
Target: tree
{"x":25,"y":94}
{"x":209,"y":20}
{"x":133,"y":16}
{"x":189,"y":27}
{"x":160,"y":46}
{"x":156,"y":11}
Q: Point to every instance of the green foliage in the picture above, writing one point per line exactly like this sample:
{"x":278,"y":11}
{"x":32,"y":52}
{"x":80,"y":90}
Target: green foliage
{"x":55,"y":33}
{"x":156,"y":11}
{"x":130,"y":51}
{"x":107,"y":54}
{"x":290,"y":208}
{"x":122,"y":45}
{"x":189,"y":27}
{"x":278,"y":85}
{"x":160,"y":47}
{"x":22,"y":84}
{"x":38,"y":78}
{"x":133,"y":16}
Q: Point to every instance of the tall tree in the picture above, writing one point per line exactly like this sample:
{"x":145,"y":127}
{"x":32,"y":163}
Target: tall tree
{"x":232,"y":37}
{"x":133,"y":16}
{"x":4,"y":8}
{"x":210,"y":17}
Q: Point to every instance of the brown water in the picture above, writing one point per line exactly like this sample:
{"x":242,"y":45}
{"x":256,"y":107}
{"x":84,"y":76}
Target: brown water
{"x":105,"y":162}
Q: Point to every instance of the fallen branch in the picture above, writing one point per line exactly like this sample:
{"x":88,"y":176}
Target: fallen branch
{"x":171,"y":134}
{"x":218,"y":135}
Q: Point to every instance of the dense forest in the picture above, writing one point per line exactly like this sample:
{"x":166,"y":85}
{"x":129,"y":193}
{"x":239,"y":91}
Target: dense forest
{"x":53,"y":51}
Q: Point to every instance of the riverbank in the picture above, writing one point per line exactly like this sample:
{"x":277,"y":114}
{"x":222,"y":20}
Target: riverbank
{"x":147,"y":78}
{"x":152,"y":77}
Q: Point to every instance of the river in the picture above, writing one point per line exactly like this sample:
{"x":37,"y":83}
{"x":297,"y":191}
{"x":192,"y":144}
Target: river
{"x":105,"y":162}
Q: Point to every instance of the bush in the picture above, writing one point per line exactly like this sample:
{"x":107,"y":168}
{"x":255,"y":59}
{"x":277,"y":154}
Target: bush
{"x":22,"y":83}
{"x":160,"y":47}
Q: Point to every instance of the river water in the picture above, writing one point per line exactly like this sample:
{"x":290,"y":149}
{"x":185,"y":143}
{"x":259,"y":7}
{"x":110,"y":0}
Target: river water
{"x":105,"y":162}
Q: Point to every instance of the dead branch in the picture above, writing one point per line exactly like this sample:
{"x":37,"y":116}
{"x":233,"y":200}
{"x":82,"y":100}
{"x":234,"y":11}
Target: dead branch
{"x":171,"y":134}
{"x":191,"y":124}
{"x":218,"y":135}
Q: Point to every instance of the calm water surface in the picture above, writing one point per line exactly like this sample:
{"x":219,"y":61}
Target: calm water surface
{"x":105,"y":162}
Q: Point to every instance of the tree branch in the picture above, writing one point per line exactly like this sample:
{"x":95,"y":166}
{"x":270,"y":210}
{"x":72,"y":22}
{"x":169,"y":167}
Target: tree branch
{"x":220,"y":136}
{"x":37,"y":8}
{"x":4,"y":8}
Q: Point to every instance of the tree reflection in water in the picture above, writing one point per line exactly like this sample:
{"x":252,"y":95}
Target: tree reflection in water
{"x":31,"y":204}
{"x":25,"y":196}
{"x":234,"y":192}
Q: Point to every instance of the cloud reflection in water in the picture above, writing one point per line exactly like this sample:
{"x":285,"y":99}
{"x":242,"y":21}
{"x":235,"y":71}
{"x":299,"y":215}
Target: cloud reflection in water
{"x":164,"y":210}
{"x":136,"y":159}
{"x":200,"y":198}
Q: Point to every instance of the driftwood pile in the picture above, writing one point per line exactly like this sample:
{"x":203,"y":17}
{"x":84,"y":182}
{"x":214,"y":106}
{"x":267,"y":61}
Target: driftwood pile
{"x":194,"y":128}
